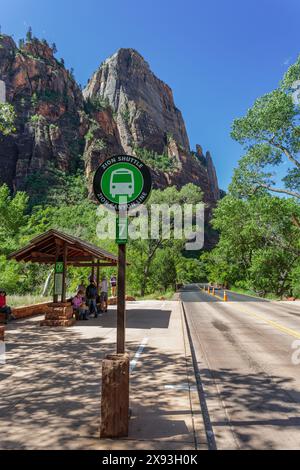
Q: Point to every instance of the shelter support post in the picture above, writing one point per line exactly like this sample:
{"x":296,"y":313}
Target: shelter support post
{"x":93,"y":270}
{"x":98,"y":279}
{"x":64,"y":287}
{"x":55,"y":296}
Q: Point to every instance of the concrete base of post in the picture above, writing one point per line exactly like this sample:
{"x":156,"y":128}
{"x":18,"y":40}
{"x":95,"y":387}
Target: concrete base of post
{"x":115,"y":396}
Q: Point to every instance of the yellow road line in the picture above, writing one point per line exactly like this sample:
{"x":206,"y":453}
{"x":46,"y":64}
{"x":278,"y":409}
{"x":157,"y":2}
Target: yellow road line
{"x":221,"y":298}
{"x":276,"y":325}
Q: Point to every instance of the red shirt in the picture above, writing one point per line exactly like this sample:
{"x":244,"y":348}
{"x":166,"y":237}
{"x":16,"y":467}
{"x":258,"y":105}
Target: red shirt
{"x":2,"y":301}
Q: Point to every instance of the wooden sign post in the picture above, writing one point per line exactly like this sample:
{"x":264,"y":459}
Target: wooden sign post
{"x":121,"y":321}
{"x":120,"y":183}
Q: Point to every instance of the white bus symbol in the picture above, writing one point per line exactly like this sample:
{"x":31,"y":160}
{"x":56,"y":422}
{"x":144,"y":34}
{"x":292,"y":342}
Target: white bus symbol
{"x":121,"y":183}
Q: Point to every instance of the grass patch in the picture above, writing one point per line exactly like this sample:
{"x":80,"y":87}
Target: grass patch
{"x":168,"y":295}
{"x":252,"y":293}
{"x":24,"y":300}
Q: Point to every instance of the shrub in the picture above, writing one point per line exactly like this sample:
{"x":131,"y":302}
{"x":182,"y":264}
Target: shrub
{"x":156,"y":161}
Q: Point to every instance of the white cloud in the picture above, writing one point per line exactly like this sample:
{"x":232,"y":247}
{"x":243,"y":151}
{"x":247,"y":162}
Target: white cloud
{"x":287,"y":61}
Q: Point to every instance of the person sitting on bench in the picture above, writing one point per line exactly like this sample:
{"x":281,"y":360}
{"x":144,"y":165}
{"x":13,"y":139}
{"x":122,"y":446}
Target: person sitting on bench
{"x":79,"y":306}
{"x":5,"y":308}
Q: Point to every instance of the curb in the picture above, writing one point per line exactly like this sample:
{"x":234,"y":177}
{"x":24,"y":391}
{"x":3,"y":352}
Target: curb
{"x":207,"y":426}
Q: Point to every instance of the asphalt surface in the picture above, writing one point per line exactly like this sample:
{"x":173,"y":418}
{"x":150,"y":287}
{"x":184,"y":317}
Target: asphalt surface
{"x":232,"y":296}
{"x":248,"y":356}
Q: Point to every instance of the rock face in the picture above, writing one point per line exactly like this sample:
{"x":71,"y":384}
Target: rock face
{"x":48,"y":102}
{"x":143,"y":104}
{"x":145,"y":117}
{"x":125,"y":108}
{"x":211,"y":172}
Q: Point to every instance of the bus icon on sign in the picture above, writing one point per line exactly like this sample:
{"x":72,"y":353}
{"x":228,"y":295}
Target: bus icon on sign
{"x":122,"y":183}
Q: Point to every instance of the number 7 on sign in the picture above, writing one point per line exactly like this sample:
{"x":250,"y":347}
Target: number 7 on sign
{"x":122,"y":230}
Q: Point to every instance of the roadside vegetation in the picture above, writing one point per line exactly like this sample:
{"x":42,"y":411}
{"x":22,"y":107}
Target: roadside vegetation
{"x":23,"y":300}
{"x":259,"y":219}
{"x":156,"y":161}
{"x":155,"y":265}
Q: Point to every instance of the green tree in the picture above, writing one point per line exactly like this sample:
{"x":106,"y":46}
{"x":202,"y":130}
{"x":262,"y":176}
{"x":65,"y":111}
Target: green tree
{"x":143,"y":253}
{"x":7,"y":119}
{"x":164,"y":274}
{"x":29,"y":34}
{"x":270,"y":270}
{"x":190,"y":270}
{"x":21,"y":43}
{"x":271,"y":136}
{"x":259,"y":243}
{"x":295,"y":280}
{"x":157,"y":161}
{"x":13,"y":222}
{"x":13,"y":216}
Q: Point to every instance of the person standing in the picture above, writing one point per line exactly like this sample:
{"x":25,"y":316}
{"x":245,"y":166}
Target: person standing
{"x":113,"y":285}
{"x":91,"y":298}
{"x":104,"y":294}
{"x":81,"y":287}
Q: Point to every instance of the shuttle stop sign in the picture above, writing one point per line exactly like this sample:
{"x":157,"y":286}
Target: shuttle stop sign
{"x":122,"y":181}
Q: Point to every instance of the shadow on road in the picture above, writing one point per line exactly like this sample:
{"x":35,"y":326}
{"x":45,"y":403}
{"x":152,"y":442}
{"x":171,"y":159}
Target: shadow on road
{"x":256,"y":402}
{"x":135,"y":318}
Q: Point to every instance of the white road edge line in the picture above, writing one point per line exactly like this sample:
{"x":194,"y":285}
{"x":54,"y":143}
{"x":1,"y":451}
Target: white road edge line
{"x":181,"y":387}
{"x":137,"y":355}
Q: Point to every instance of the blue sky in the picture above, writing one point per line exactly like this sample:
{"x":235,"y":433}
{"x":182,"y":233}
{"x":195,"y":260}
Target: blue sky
{"x":217,"y":55}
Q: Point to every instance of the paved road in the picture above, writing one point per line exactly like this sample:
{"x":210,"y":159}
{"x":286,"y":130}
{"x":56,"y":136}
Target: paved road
{"x":244,"y":351}
{"x":232,"y":296}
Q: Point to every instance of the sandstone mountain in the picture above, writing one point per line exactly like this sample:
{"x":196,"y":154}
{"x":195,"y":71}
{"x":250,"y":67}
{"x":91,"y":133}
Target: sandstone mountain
{"x":147,"y":124}
{"x":144,"y":105}
{"x":125,"y":108}
{"x":48,"y":103}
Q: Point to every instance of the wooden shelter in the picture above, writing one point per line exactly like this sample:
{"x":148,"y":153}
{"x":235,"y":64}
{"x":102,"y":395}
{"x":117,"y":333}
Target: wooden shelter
{"x":58,"y":248}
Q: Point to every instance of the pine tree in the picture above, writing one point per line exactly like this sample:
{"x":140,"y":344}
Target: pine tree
{"x":29,"y":34}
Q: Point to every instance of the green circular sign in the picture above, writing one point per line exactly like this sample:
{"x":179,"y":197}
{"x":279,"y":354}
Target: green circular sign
{"x":122,"y":180}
